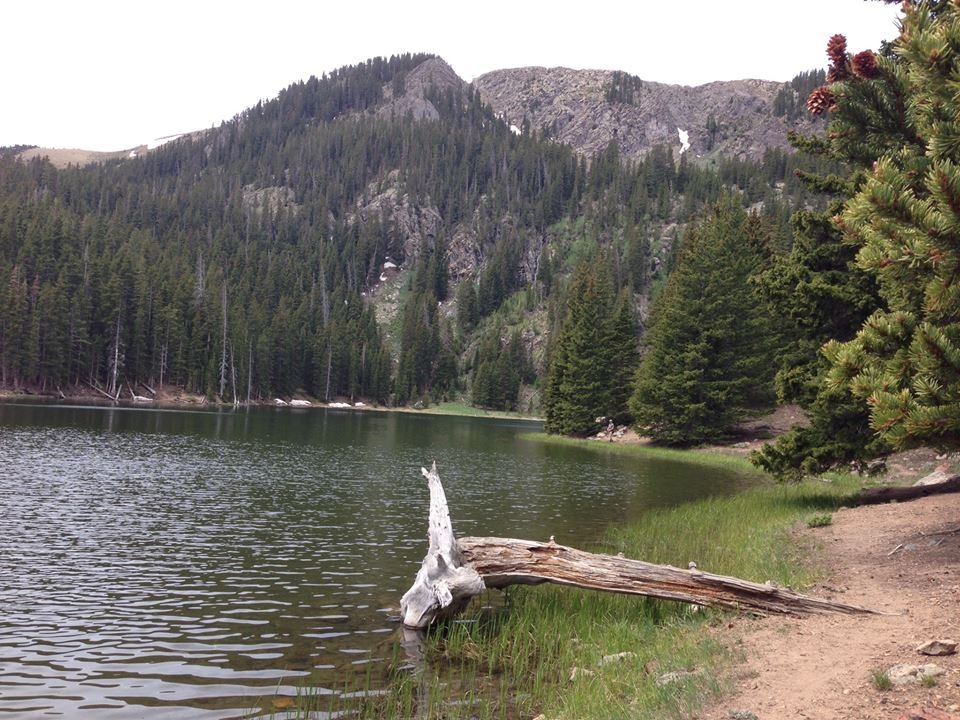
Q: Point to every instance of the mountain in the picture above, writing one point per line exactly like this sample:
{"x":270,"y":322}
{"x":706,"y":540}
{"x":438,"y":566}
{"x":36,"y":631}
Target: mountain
{"x":378,"y":232}
{"x":586,"y":109}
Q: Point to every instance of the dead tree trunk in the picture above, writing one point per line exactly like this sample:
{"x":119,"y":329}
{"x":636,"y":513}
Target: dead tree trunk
{"x":456,"y":570}
{"x":875,"y":496}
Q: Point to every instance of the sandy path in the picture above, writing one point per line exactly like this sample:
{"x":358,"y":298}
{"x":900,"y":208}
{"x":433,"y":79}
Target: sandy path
{"x":821,"y":667}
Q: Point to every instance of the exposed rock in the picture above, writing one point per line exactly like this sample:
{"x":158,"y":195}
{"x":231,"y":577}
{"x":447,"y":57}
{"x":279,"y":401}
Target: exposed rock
{"x":580,"y":672}
{"x":269,"y":199}
{"x":941,"y":474}
{"x":432,"y":74}
{"x":904,"y":674}
{"x":742,"y":715}
{"x":618,"y":657}
{"x":937,"y":647}
{"x":387,"y":202}
{"x":573,"y":106}
{"x":676,"y":676}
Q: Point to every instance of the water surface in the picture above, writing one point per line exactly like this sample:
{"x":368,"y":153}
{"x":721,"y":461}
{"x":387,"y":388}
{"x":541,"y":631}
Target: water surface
{"x":176,"y":564}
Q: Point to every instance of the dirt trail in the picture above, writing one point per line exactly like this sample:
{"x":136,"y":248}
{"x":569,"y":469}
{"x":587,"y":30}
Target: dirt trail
{"x":898,"y":558}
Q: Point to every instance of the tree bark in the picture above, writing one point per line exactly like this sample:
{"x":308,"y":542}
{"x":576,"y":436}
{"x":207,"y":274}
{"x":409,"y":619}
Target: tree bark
{"x":875,"y":496}
{"x":454,"y":571}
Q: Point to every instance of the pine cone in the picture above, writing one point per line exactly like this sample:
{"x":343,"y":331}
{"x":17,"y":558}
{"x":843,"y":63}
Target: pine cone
{"x":836,"y":73}
{"x":864,"y":65}
{"x":837,"y":50}
{"x":821,"y":100}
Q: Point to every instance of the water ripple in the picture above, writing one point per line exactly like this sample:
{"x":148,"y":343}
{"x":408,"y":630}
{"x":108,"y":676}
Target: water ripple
{"x":175,"y":564}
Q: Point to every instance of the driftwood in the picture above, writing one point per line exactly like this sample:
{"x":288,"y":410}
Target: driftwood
{"x":875,"y":496}
{"x":454,"y":571}
{"x":105,"y":394}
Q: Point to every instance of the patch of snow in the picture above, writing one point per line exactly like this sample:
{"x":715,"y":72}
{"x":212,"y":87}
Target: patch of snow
{"x":388,"y":265}
{"x":133,"y":153}
{"x":338,"y":405}
{"x":383,"y":278}
{"x":684,"y":140}
{"x":359,"y":404}
{"x":300,"y":403}
{"x":278,"y":401}
{"x":154,"y":144}
{"x":514,"y":129}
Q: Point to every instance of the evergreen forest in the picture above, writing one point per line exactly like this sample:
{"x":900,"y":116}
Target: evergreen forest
{"x":246,"y":262}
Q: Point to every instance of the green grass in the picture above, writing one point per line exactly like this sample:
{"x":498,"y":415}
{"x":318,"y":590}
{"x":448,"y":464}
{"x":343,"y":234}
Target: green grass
{"x":516,"y":661}
{"x":462,"y":408}
{"x":817,"y":521}
{"x":701,"y":457}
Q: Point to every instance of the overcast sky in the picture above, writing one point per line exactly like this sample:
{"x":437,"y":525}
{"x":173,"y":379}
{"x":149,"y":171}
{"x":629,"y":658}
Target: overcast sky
{"x":106,"y":75}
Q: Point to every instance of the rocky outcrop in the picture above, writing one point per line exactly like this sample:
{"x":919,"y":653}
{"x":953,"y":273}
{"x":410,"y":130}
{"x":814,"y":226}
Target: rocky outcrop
{"x":432,"y":74}
{"x":269,"y":199}
{"x":573,"y":106}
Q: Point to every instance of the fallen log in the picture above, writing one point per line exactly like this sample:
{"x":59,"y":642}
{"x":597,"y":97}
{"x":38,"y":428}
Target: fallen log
{"x":105,"y":394}
{"x":875,"y":496}
{"x":454,"y":571}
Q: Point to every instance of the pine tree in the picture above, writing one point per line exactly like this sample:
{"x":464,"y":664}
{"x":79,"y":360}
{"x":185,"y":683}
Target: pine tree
{"x":579,"y":377}
{"x":625,"y":357}
{"x":709,"y":350}
{"x":905,"y":360}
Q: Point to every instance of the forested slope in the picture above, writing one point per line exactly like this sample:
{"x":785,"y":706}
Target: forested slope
{"x":245,"y":261}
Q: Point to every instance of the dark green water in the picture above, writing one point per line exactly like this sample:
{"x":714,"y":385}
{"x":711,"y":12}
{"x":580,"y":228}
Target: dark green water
{"x":174,"y":564}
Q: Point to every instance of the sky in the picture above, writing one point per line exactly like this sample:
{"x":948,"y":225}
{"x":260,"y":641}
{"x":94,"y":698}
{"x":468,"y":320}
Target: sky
{"x":107,"y":75}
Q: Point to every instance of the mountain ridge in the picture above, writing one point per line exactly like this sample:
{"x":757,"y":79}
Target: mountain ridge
{"x":574,"y":107}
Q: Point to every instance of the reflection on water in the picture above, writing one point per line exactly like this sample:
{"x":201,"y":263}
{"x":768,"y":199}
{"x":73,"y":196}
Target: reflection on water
{"x":196,"y":564}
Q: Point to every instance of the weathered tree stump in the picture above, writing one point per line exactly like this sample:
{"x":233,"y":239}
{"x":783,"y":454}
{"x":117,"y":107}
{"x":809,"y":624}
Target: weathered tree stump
{"x":454,"y":571}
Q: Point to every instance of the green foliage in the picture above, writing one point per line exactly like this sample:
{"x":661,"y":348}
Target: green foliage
{"x":905,"y":360}
{"x":583,"y":382}
{"x":818,"y":294}
{"x":881,"y":680}
{"x":817,"y":521}
{"x":622,"y":88}
{"x":499,"y":371}
{"x":709,"y":351}
{"x":790,"y":100}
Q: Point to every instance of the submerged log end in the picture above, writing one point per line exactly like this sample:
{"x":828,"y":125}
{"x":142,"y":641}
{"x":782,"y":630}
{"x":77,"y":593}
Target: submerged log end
{"x":443,"y":586}
{"x":444,"y":596}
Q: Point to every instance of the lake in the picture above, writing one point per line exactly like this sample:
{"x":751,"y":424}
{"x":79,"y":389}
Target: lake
{"x":194,"y":564}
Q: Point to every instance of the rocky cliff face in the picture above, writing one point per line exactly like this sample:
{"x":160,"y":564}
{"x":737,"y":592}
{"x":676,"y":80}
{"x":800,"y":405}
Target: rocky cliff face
{"x":434,"y":73}
{"x":574,"y":106}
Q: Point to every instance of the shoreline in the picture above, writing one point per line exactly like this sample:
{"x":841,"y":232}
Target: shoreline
{"x":562,"y":652}
{"x":179,"y":400}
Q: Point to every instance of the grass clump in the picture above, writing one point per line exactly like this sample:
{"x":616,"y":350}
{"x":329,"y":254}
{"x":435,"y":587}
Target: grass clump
{"x":817,"y":521}
{"x":518,"y":661}
{"x":881,"y":680}
{"x":928,"y":681}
